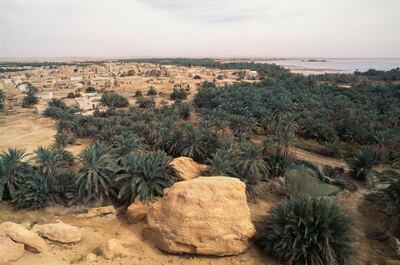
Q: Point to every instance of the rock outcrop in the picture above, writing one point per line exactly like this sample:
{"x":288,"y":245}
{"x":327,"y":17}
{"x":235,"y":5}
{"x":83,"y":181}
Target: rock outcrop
{"x":206,"y":215}
{"x":99,"y":211}
{"x":32,"y":241}
{"x":185,"y":168}
{"x":137,"y":212}
{"x":9,"y":250}
{"x":59,"y":232}
{"x":113,"y":249}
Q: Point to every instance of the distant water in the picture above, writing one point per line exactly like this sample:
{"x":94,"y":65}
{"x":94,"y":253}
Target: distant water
{"x":311,"y":66}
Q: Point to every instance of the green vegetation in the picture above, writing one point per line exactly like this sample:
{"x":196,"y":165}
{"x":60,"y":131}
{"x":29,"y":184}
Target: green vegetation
{"x":180,"y":94}
{"x":114,"y":100}
{"x":30,"y":98}
{"x":138,"y":94}
{"x":307,"y":231}
{"x":90,"y":89}
{"x":2,"y":99}
{"x":146,"y":103}
{"x":361,"y":163}
{"x":152,"y":92}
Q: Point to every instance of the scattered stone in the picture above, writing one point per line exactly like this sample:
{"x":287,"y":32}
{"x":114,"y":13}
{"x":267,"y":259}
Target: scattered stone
{"x":99,"y":211}
{"x":32,"y":241}
{"x":185,"y":168}
{"x":206,"y":215}
{"x":113,"y":249}
{"x":59,"y":232}
{"x":137,"y":212}
{"x":9,"y":250}
{"x":91,"y":257}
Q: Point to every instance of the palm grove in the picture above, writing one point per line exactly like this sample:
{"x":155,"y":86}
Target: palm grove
{"x":243,"y":130}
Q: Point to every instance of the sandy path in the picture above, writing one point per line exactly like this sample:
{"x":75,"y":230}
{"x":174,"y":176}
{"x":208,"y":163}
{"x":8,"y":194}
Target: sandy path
{"x":318,"y":159}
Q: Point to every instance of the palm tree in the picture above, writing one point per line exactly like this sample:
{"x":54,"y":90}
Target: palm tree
{"x":97,"y":172}
{"x":221,"y":164}
{"x":195,"y":144}
{"x":12,"y":171}
{"x":250,"y":159}
{"x":50,"y":161}
{"x":146,"y":176}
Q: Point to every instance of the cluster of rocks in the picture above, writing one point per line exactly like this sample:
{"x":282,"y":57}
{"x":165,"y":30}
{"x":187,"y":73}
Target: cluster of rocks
{"x":16,"y":238}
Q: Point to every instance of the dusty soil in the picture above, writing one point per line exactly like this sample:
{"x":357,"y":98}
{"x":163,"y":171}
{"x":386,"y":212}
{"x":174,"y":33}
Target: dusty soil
{"x":22,"y":128}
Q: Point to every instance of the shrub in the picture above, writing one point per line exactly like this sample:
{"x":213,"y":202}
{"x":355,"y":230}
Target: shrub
{"x":90,"y":89}
{"x":33,"y":193}
{"x":63,"y":189}
{"x":12,"y":172}
{"x":138,"y":94}
{"x":97,"y":172}
{"x":362,"y":162}
{"x":196,"y":77}
{"x":152,"y":91}
{"x":29,"y":100}
{"x":71,"y":95}
{"x":114,"y":100}
{"x":57,"y":103}
{"x":146,"y":176}
{"x":2,"y":99}
{"x":307,"y":231}
{"x":146,"y":103}
{"x":391,"y":200}
{"x":50,"y":161}
{"x":180,"y":94}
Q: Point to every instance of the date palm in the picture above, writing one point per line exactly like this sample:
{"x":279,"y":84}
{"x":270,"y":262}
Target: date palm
{"x":12,"y":171}
{"x":50,"y":161}
{"x":95,"y":177}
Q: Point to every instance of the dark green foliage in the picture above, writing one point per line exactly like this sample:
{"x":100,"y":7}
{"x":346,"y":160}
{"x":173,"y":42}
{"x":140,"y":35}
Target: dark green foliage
{"x":152,"y":92}
{"x":392,"y":205}
{"x":63,"y":138}
{"x":90,"y":89}
{"x":114,"y":100}
{"x":71,"y":95}
{"x":146,"y":103}
{"x":13,"y":169}
{"x":63,"y":189}
{"x":98,"y":170}
{"x":307,"y":231}
{"x":391,"y":75}
{"x":180,"y":94}
{"x":33,"y":193}
{"x":145,"y":176}
{"x":2,"y":99}
{"x":51,"y":161}
{"x":196,"y":77}
{"x":362,"y":162}
{"x":138,"y":94}
{"x":58,"y":103}
{"x":29,"y":100}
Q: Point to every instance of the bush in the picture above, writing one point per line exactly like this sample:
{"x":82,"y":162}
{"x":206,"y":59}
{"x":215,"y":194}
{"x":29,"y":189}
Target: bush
{"x":391,"y":200}
{"x":138,"y":94}
{"x":180,"y":94}
{"x":114,"y":100}
{"x":146,"y":103}
{"x":196,"y":77}
{"x":307,"y":231}
{"x":90,"y":90}
{"x":152,"y":92}
{"x":71,"y":95}
{"x":63,"y":189}
{"x":362,"y":162}
{"x":29,"y":100}
{"x":146,"y":176}
{"x":2,"y":99}
{"x":33,"y":193}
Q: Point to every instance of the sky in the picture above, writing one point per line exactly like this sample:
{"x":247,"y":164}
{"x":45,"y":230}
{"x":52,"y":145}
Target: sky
{"x":200,"y":28}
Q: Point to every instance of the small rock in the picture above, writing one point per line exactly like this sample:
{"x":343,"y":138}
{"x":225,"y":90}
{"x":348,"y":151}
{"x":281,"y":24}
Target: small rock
{"x":59,"y":232}
{"x":113,"y":249}
{"x":32,"y":241}
{"x":185,"y":168}
{"x":99,"y":211}
{"x":9,"y":250}
{"x":137,"y":212}
{"x":91,"y":257}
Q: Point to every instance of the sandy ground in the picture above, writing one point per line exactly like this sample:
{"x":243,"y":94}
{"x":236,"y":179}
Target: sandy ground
{"x":21,"y":128}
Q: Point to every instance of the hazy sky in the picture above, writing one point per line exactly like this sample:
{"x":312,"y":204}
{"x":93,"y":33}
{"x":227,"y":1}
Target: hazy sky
{"x":200,"y":28}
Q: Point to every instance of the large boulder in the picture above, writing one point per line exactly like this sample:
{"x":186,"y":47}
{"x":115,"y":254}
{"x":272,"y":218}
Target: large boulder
{"x":185,"y":168}
{"x":9,"y":250}
{"x":206,"y":215}
{"x":137,"y":212}
{"x":32,"y":241}
{"x":59,"y":232}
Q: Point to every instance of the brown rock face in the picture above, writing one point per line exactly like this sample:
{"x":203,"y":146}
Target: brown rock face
{"x":185,"y":168}
{"x":9,"y":250}
{"x":32,"y":241}
{"x":206,"y":215}
{"x":59,"y":232}
{"x":137,"y":212}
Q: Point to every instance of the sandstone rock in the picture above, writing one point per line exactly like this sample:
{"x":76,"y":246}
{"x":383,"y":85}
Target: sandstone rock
{"x":32,"y":241}
{"x":59,"y":232}
{"x":185,"y":168}
{"x":91,"y":257}
{"x":137,"y":212}
{"x":99,"y":211}
{"x":113,"y":249}
{"x":206,"y":215}
{"x":9,"y":250}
